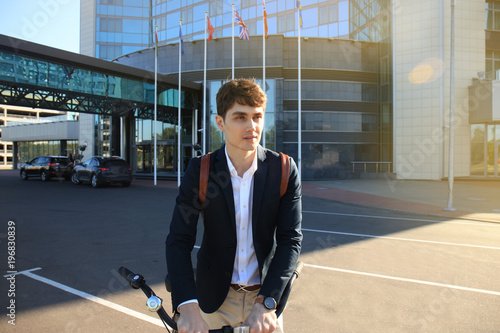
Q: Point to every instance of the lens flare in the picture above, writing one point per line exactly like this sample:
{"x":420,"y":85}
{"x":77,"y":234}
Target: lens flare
{"x":427,"y":71}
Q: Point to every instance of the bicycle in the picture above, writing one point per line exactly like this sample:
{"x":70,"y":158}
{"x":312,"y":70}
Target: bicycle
{"x":155,"y":303}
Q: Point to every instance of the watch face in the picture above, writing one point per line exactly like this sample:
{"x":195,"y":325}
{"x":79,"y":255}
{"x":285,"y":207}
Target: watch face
{"x":269,"y":303}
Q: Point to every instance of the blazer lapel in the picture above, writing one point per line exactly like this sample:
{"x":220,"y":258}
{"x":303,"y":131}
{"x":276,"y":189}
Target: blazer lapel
{"x":259,"y":183}
{"x":223,"y":179}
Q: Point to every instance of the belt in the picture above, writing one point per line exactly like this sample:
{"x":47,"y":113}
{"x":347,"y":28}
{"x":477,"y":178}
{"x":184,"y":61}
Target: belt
{"x":239,"y":287}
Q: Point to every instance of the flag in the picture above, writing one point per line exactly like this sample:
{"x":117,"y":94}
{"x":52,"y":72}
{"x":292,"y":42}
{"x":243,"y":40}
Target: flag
{"x":156,"y":40}
{"x":181,"y":39}
{"x":243,"y":27}
{"x":265,"y":17}
{"x":210,"y":30}
{"x":299,"y":6}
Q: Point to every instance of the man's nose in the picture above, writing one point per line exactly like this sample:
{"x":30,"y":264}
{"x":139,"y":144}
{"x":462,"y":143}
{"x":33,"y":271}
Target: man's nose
{"x":253,"y":125}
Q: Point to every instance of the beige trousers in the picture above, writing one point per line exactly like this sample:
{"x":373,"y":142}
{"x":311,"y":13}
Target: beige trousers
{"x":235,"y":310}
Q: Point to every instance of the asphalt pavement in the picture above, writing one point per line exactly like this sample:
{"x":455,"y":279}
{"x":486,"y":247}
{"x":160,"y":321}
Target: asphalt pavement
{"x":379,"y":256}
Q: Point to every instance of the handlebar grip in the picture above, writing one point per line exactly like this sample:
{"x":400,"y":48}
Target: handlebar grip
{"x":125,"y":272}
{"x":135,"y":281}
{"x":298,"y":268}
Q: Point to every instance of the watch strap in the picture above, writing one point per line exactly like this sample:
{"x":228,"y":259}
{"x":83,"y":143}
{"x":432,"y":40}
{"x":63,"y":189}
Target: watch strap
{"x":259,"y":300}
{"x":262,"y":300}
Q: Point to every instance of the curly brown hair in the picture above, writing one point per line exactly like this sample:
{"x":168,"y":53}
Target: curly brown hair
{"x":241,"y":91}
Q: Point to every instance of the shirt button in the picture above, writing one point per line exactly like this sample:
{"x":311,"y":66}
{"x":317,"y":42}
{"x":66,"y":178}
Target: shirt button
{"x":244,"y":206}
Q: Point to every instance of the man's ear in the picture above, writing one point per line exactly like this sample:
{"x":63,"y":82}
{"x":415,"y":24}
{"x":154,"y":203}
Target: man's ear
{"x":220,"y":122}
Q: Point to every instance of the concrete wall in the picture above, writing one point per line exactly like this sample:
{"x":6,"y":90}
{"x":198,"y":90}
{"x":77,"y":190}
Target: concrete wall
{"x":87,"y":27}
{"x":63,"y":130}
{"x":422,"y":84}
{"x":87,"y":130}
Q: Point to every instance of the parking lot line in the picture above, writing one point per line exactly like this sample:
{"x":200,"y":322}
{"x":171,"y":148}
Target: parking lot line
{"x":429,"y":283}
{"x":22,"y":272}
{"x":93,"y":298}
{"x":479,"y":223}
{"x":401,"y":239}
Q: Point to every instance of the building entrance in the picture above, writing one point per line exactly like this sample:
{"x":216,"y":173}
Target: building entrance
{"x":166,"y":158}
{"x":485,"y":149}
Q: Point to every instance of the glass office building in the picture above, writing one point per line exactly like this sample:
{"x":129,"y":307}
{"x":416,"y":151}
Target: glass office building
{"x":375,"y":74}
{"x":340,"y":117}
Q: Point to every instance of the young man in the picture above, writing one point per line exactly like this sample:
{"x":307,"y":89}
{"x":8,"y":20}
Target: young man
{"x":251,"y":237}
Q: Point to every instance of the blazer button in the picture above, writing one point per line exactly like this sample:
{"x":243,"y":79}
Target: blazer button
{"x":228,"y":274}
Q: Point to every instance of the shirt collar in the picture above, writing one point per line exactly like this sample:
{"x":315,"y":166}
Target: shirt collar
{"x":232,"y":169}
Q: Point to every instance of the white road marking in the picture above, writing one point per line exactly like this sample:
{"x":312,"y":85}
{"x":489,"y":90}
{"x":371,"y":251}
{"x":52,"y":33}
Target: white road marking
{"x":479,"y":223}
{"x":92,"y":298}
{"x":435,"y":284}
{"x":22,"y":272}
{"x":400,"y":239}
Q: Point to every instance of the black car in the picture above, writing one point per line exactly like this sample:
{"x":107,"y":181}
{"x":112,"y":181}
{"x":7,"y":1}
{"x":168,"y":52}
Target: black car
{"x":47,"y":167}
{"x":102,"y":170}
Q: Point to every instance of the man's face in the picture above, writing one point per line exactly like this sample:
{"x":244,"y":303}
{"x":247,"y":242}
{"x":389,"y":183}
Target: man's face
{"x":242,"y":126}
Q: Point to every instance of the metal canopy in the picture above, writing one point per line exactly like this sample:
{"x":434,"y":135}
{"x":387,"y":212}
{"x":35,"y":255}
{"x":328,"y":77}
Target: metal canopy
{"x":38,"y":76}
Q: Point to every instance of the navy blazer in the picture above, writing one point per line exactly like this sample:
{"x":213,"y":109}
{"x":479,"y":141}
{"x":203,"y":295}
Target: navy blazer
{"x":276,"y":225}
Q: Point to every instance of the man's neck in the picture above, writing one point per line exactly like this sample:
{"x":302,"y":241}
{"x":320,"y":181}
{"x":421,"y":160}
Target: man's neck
{"x":241,"y":159}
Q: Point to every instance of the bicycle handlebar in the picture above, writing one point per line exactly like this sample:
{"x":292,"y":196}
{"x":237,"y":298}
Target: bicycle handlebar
{"x":284,"y":297}
{"x":136,"y":281}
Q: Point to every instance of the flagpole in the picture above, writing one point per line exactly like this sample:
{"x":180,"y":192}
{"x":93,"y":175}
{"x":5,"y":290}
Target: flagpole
{"x":299,"y":105}
{"x":204,"y":88}
{"x":232,"y":49}
{"x":156,"y":102}
{"x":264,"y":62}
{"x":179,"y":112}
{"x":451,"y":151}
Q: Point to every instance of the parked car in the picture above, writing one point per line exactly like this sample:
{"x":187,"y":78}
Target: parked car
{"x":102,"y":170}
{"x":47,"y":167}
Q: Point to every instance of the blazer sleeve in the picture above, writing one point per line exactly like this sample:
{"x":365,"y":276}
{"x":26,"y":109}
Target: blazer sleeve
{"x":182,"y":236}
{"x":288,"y":238}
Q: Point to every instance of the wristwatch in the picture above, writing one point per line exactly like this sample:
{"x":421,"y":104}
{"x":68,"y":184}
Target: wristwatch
{"x":268,"y":302}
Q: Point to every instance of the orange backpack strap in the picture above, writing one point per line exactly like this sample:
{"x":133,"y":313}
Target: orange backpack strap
{"x":204,"y":171}
{"x":285,"y":173}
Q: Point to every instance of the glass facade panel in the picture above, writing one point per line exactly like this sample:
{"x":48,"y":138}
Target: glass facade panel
{"x":281,"y":19}
{"x":492,"y":64}
{"x":28,"y":150}
{"x":492,"y":16}
{"x":22,"y":69}
{"x":478,"y":165}
{"x":331,"y":90}
{"x":485,"y":144}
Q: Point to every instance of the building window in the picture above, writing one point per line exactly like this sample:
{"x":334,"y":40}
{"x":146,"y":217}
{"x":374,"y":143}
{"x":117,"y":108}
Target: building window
{"x":493,"y":16}
{"x":492,"y":65}
{"x":111,"y":25}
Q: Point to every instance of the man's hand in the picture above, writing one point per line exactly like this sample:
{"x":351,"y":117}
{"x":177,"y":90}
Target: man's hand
{"x":190,"y":319}
{"x":261,"y":320}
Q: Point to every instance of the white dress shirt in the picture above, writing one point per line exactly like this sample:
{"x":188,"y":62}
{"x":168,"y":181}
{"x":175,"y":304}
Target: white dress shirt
{"x":246,"y":267}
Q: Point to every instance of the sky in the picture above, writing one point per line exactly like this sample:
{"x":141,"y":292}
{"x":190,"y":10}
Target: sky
{"x":54,"y":23}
